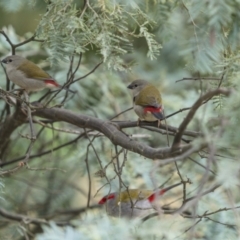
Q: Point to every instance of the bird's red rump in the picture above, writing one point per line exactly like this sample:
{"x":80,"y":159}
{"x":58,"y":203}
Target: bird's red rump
{"x":51,"y":82}
{"x":104,"y":199}
{"x":153,"y":197}
{"x":152,"y":109}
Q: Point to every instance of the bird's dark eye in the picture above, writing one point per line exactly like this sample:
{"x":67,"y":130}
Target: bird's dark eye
{"x":10,"y":60}
{"x":135,"y":85}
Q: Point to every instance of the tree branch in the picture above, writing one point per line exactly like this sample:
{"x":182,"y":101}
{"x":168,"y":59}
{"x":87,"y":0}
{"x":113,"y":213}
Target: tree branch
{"x":8,"y":126}
{"x":20,"y":217}
{"x":110,"y":130}
{"x":193,"y":110}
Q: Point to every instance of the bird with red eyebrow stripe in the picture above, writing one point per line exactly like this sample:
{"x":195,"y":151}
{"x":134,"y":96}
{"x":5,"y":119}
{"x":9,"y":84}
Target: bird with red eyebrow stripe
{"x":147,"y":101}
{"x":133,"y":203}
{"x":28,"y":75}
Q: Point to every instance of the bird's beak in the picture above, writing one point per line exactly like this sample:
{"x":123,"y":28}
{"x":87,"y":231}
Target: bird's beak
{"x":4,"y":61}
{"x":130,"y":86}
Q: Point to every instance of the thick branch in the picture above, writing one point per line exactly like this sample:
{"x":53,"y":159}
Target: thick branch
{"x":8,"y":126}
{"x":110,"y":130}
{"x":20,"y":217}
{"x":174,"y":130}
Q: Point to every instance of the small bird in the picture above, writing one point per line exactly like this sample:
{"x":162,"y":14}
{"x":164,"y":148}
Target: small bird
{"x":27,"y":74}
{"x":147,"y":101}
{"x":132,"y":203}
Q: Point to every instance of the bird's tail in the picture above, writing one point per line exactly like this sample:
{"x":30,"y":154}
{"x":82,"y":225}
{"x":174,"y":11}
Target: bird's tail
{"x":158,"y":115}
{"x":157,"y":112}
{"x":160,"y":192}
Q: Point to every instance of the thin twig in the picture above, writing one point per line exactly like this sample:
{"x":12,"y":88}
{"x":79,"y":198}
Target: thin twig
{"x":93,"y":70}
{"x":198,"y":78}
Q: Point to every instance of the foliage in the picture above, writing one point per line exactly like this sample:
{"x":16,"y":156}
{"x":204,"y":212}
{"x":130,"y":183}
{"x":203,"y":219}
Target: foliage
{"x":101,"y":26}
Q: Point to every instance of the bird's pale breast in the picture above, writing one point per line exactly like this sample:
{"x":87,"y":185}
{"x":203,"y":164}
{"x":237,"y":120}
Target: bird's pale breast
{"x":18,"y":77}
{"x":140,"y":208}
{"x":146,"y":116}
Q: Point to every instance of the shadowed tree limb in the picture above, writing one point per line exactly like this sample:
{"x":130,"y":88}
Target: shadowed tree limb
{"x":110,"y":130}
{"x":8,"y":126}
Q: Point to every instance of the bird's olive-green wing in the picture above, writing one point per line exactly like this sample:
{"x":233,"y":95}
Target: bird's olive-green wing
{"x":31,"y":70}
{"x":134,"y":194}
{"x":149,"y":96}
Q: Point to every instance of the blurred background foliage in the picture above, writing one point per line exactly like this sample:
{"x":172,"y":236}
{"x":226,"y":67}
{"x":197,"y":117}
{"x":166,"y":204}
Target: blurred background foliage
{"x":161,"y":41}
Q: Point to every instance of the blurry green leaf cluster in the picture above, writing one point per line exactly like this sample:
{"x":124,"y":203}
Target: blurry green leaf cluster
{"x":103,"y":27}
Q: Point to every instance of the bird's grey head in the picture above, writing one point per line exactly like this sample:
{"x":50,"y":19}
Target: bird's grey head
{"x":13,"y":60}
{"x":137,"y":86}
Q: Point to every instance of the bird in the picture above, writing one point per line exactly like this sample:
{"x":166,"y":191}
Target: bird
{"x":133,"y":203}
{"x":147,"y":101}
{"x":27,"y":75}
